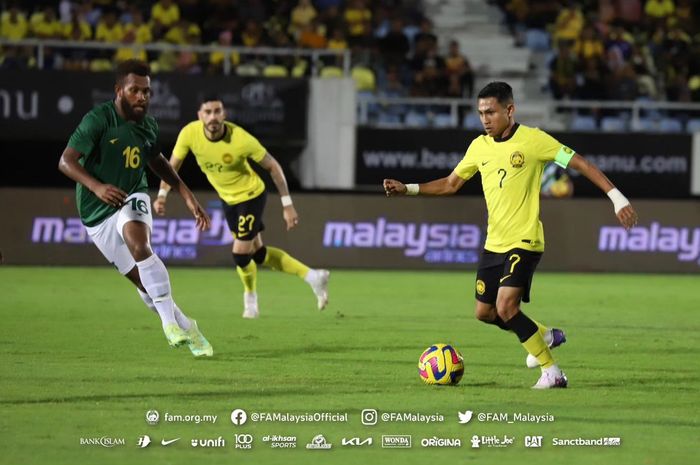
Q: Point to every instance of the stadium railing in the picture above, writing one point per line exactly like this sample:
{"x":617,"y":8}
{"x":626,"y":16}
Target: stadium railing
{"x":581,"y":115}
{"x":315,"y":56}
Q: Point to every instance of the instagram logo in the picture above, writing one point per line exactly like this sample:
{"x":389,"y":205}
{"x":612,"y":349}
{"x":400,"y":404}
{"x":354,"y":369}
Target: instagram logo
{"x":369,"y":417}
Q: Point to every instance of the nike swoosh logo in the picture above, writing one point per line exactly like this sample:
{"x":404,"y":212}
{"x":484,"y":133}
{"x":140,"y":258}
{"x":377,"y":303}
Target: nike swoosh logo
{"x":113,"y":141}
{"x":504,"y":278}
{"x":167,"y":443}
{"x":484,"y":163}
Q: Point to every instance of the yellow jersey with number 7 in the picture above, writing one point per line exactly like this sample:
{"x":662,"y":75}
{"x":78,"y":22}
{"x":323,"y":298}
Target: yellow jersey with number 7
{"x":511,"y":172}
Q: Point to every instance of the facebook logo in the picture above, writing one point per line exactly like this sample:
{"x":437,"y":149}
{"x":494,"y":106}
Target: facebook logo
{"x":238,"y":417}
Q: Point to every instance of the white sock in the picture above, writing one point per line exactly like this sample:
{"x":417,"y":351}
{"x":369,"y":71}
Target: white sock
{"x":154,"y":277}
{"x":250,"y":299}
{"x":182,"y":320}
{"x":554,"y":370}
{"x":311,"y":277}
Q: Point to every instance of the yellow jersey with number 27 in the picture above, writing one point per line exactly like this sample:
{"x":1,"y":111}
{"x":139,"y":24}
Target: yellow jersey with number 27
{"x":224,"y":161}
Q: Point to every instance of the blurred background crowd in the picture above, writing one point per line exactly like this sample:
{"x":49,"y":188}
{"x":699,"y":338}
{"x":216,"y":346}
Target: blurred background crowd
{"x":597,"y":49}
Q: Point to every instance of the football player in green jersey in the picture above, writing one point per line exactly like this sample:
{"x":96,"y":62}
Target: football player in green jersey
{"x":107,"y":156}
{"x":511,"y":158}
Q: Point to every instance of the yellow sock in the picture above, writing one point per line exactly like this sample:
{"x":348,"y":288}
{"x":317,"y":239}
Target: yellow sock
{"x":278,"y":259}
{"x":539,"y":349}
{"x":248,"y":275}
{"x":542,"y":329}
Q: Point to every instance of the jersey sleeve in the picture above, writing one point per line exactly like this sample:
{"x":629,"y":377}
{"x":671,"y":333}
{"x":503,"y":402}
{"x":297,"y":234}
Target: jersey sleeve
{"x":550,"y":149}
{"x":183,"y":143}
{"x":468,"y":167}
{"x":87,"y":135}
{"x":252,"y":148}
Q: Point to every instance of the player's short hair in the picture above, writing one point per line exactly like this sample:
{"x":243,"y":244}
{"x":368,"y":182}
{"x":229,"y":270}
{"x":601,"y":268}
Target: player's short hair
{"x":210,"y":98}
{"x":500,"y":90}
{"x":137,"y":67}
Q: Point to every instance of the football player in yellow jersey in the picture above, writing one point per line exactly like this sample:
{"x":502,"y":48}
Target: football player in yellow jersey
{"x":511,"y":158}
{"x":223,"y":151}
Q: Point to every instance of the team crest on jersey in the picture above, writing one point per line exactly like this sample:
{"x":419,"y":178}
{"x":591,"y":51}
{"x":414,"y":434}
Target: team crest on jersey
{"x":227,"y":158}
{"x":480,"y":287}
{"x":517,"y":159}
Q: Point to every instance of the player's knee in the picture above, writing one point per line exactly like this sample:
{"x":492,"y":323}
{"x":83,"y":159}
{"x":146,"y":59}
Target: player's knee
{"x":506,"y":307}
{"x":241,"y":260}
{"x":485,"y":314}
{"x":140,"y":252}
{"x":259,"y":255}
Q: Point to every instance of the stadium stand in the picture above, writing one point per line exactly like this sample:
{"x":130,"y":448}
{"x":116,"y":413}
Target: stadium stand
{"x":585,"y":52}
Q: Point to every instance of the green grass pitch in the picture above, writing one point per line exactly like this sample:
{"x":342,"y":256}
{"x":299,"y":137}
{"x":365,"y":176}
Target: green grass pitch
{"x":82,"y":357}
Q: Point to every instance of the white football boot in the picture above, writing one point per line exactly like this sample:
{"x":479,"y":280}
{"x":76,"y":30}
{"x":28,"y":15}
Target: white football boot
{"x":319,"y":284}
{"x":250,"y":305}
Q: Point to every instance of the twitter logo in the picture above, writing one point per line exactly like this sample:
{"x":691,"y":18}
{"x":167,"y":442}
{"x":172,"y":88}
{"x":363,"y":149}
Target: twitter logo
{"x":465,"y":417}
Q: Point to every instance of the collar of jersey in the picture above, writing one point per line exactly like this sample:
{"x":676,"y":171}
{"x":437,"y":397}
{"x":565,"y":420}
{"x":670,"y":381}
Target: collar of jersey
{"x":512,"y":133}
{"x":223,"y":136}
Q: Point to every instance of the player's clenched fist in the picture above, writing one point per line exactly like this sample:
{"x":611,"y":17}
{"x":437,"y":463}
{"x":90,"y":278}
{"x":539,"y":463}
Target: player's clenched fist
{"x":628,"y":217}
{"x":159,"y":206}
{"x":393,"y":187}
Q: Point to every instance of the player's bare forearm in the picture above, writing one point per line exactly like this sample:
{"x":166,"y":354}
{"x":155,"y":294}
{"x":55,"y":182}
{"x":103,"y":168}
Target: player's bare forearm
{"x":69,"y":165}
{"x":591,"y":172}
{"x":273,"y":167}
{"x":175,"y":163}
{"x":289,"y":213}
{"x":623,"y":209}
{"x":443,"y":186}
{"x":168,"y":175}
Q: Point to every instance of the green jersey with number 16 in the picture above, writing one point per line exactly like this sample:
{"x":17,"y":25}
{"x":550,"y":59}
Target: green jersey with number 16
{"x":115,"y":151}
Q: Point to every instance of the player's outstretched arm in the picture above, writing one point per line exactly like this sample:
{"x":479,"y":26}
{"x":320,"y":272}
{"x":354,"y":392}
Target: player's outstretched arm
{"x":443,"y":186}
{"x":162,"y":168}
{"x":159,"y":202}
{"x":623,"y":209}
{"x":291,"y":218}
{"x":69,"y":165}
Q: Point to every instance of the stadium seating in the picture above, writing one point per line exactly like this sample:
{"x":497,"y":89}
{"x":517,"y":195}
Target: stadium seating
{"x":364,"y":78}
{"x":644,"y":125}
{"x":613,"y":124}
{"x":331,"y":72}
{"x":388,"y":120}
{"x":471,"y":121}
{"x":275,"y":71}
{"x":670,"y":125}
{"x":442,"y":120}
{"x":416,"y":119}
{"x":583,"y":123}
{"x":247,"y":69}
{"x":693,"y":125}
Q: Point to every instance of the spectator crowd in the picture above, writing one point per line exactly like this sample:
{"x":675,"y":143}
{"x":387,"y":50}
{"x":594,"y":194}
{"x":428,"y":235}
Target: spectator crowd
{"x":613,"y":49}
{"x":394,"y":50}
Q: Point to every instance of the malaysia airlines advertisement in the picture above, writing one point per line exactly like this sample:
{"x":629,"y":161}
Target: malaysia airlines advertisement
{"x":370,"y":231}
